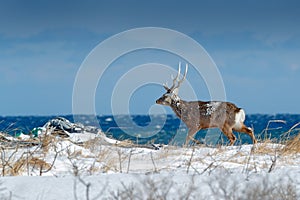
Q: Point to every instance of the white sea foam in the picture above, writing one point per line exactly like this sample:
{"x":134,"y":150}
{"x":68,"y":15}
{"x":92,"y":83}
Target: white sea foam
{"x":109,"y":119}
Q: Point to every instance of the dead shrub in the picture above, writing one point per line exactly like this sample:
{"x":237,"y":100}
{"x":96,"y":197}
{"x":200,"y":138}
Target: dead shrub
{"x":47,"y":141}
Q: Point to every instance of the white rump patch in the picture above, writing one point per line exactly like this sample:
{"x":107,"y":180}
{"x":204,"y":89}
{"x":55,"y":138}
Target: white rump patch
{"x":239,"y":119}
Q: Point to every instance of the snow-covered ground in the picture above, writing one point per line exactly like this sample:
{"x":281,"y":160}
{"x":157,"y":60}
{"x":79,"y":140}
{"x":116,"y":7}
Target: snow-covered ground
{"x":60,"y":169}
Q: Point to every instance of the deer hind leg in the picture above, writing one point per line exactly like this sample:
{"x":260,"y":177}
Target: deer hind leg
{"x":248,"y":131}
{"x":228,"y":132}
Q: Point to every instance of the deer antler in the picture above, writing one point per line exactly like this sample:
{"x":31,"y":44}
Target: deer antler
{"x":177,"y":78}
{"x":184,"y":76}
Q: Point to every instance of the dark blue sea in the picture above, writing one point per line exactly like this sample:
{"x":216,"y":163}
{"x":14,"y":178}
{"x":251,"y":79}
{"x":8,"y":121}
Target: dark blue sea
{"x":275,"y":127}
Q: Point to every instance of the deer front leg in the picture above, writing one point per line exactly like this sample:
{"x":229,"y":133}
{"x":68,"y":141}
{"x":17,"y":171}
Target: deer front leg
{"x":190,"y":135}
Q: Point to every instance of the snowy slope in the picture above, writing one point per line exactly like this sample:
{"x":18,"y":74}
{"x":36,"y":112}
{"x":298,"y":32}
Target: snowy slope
{"x":61,"y":169}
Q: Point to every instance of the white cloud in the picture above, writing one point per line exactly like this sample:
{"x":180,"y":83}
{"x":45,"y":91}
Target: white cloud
{"x":295,"y":67}
{"x":37,"y":62}
{"x":275,"y":38}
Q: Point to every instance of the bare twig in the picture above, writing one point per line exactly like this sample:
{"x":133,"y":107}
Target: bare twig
{"x":273,"y":162}
{"x":208,"y":167}
{"x":190,"y":161}
{"x":87,"y":189}
{"x":52,"y":164}
{"x":155,"y":169}
{"x":120,"y":160}
{"x":129,"y":159}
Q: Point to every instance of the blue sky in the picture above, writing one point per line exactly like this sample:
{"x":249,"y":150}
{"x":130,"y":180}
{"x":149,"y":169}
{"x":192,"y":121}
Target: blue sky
{"x":255,"y":45}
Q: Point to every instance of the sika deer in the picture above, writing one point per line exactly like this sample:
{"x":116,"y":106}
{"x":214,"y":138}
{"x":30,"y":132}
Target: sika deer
{"x":199,"y":115}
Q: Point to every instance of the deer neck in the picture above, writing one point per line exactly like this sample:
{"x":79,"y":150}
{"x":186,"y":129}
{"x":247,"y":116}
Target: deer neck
{"x":176,"y":106}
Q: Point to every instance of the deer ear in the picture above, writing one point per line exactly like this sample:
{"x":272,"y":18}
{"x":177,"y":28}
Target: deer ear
{"x":175,"y":91}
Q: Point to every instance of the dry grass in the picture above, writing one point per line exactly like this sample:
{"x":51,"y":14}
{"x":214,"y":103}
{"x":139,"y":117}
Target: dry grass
{"x":266,"y":147}
{"x":94,"y":144}
{"x":23,"y":164}
{"x":108,"y":158}
{"x":46,"y":142}
{"x":285,"y":145}
{"x":292,"y":146}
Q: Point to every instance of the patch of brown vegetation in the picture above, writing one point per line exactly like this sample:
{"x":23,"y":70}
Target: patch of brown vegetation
{"x":292,"y":146}
{"x":20,"y":165}
{"x":266,"y":147}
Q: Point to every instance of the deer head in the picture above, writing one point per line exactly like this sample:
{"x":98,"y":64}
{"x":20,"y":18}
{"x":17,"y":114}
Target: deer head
{"x":172,"y":93}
